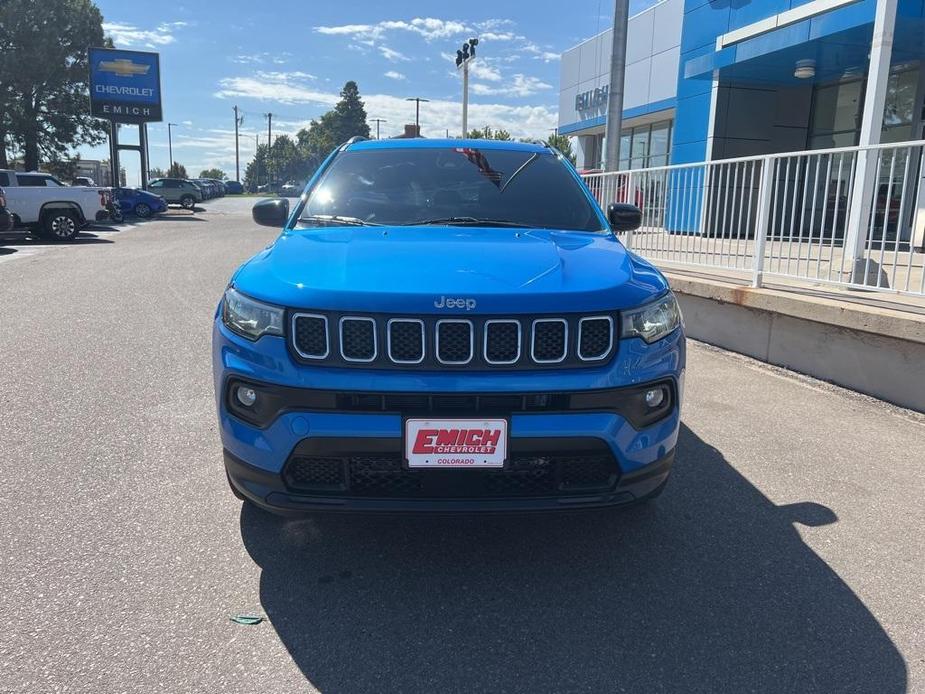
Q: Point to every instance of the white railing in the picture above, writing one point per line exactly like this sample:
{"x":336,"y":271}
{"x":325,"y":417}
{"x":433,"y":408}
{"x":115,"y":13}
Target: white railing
{"x":852,"y":216}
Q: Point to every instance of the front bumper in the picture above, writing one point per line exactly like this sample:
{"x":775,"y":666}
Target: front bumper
{"x":256,"y":453}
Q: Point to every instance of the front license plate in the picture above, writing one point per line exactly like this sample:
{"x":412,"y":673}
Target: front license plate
{"x":462,"y":443}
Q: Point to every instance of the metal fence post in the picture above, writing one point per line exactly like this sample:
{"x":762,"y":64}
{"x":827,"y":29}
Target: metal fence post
{"x":631,"y":194}
{"x":762,"y":219}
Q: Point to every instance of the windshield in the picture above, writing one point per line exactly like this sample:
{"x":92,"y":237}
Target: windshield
{"x":460,"y":185}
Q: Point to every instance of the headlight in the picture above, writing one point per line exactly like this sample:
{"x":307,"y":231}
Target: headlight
{"x":250,"y":318}
{"x":653,"y":321}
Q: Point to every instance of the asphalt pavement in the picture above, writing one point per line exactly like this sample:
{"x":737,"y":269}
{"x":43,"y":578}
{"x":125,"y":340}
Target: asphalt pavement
{"x":786,"y":555}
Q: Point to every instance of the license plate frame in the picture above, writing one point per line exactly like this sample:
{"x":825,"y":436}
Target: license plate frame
{"x":483,"y":458}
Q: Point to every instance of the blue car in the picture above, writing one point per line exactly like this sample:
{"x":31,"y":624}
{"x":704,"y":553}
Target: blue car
{"x":139,"y":202}
{"x":447,"y":325}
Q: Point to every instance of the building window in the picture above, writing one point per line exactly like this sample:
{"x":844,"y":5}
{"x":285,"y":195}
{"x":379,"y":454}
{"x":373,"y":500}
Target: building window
{"x":646,"y":145}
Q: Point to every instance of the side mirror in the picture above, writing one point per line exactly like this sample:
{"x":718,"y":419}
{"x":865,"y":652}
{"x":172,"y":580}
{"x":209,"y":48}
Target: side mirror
{"x":623,"y":217}
{"x":271,"y":213}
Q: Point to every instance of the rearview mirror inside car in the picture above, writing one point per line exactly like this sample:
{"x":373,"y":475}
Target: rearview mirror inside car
{"x":271,"y":213}
{"x":623,"y":217}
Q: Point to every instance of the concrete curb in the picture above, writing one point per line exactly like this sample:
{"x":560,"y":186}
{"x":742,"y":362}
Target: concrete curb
{"x":870,"y":349}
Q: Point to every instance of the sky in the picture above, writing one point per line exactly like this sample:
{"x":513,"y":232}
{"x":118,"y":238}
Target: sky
{"x":291,"y":59}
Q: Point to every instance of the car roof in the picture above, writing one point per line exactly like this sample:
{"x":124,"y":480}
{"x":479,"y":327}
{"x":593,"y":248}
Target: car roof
{"x":425,"y":143}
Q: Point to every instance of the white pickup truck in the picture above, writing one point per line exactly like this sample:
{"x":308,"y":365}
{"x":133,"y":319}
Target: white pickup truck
{"x":50,"y":209}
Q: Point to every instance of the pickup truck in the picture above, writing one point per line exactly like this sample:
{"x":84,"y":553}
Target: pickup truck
{"x":50,"y":209}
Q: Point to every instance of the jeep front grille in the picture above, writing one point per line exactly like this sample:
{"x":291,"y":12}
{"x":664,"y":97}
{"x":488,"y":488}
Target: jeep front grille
{"x":435,"y":343}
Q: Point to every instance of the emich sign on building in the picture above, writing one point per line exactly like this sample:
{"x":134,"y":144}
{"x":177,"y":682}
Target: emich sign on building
{"x":125,"y":86}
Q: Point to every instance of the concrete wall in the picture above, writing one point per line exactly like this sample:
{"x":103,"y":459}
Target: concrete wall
{"x":873,"y":351}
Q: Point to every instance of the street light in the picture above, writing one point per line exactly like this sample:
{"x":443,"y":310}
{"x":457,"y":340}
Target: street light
{"x":417,"y":112}
{"x":377,"y":121}
{"x":170,"y":144}
{"x":463,"y":56}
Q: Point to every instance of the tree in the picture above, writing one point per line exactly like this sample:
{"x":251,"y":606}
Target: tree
{"x":347,"y":119}
{"x":489,"y":134}
{"x":157,"y":172}
{"x":255,"y":174}
{"x":176,"y":170}
{"x":563,"y":144}
{"x":213,"y":173}
{"x":44,"y":74}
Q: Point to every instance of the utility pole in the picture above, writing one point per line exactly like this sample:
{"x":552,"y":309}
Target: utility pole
{"x":617,"y":72}
{"x":269,"y":145}
{"x":237,"y":154}
{"x":417,"y":112}
{"x":463,"y":56}
{"x":377,"y":121}
{"x":170,"y":144}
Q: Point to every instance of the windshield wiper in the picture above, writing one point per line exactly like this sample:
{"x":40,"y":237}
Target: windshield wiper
{"x":337,"y":219}
{"x":469,"y":221}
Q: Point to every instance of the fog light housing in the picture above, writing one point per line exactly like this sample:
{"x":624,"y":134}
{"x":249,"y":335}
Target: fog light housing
{"x":654,"y":397}
{"x":245,"y":395}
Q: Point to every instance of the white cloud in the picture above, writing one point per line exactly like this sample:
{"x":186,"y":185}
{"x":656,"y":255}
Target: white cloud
{"x":521,"y":85}
{"x":428,"y":27}
{"x":540,"y":53}
{"x":124,"y":35}
{"x":284,"y":87}
{"x":437,"y":116}
{"x":393,"y":75}
{"x":483,"y":70}
{"x":258,"y":58}
{"x":392,"y":55}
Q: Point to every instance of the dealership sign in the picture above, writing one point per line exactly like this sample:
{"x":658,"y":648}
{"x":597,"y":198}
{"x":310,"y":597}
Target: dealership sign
{"x":125,"y":86}
{"x":592,"y":99}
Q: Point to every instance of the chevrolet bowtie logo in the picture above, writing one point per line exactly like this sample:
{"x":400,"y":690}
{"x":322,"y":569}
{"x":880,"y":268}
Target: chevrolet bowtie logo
{"x":124,"y":67}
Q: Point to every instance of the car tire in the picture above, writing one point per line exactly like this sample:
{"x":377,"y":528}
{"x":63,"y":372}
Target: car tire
{"x":143,"y":210}
{"x":117,"y":216}
{"x":188,"y":202}
{"x":60,"y":225}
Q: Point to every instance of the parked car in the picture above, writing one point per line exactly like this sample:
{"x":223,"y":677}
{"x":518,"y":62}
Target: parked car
{"x":205,"y":187}
{"x":50,"y":209}
{"x":290,"y":190}
{"x":139,"y":202}
{"x":6,"y":219}
{"x":177,"y":191}
{"x":219,"y":187}
{"x":233,"y":188}
{"x":447,"y":325}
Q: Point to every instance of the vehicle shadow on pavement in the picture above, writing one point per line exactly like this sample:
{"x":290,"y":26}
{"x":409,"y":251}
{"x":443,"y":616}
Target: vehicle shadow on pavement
{"x":710,"y":588}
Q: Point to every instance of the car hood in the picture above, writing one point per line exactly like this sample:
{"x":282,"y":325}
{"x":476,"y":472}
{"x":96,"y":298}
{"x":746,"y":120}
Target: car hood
{"x":409,"y":269}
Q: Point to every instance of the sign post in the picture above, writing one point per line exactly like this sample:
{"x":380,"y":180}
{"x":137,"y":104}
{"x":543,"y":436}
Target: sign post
{"x":125,"y":87}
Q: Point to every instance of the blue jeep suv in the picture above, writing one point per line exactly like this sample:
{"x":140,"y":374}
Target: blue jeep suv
{"x":447,"y":325}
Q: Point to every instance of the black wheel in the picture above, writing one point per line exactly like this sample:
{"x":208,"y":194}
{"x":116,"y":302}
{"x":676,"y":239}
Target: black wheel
{"x":187,"y":202}
{"x":60,"y":225}
{"x":234,"y":490}
{"x":116,"y":215}
{"x":143,"y":210}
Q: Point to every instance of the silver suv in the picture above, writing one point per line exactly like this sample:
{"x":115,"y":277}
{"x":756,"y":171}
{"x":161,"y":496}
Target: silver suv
{"x":177,"y":191}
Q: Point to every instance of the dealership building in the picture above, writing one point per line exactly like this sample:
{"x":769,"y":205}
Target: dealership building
{"x":717,"y":80}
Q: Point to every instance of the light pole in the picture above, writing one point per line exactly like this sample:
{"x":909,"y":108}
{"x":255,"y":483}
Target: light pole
{"x":615,"y":97}
{"x":417,"y":112}
{"x":377,"y":121}
{"x":170,"y":144}
{"x":463,"y":56}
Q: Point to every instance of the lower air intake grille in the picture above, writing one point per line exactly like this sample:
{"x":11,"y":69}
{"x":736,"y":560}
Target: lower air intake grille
{"x":385,"y":476}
